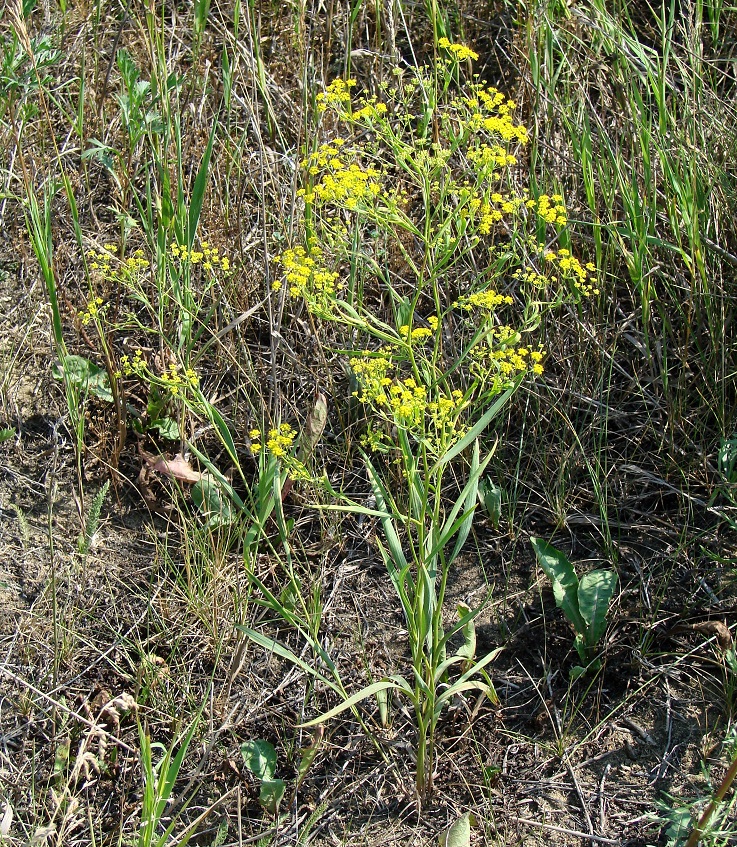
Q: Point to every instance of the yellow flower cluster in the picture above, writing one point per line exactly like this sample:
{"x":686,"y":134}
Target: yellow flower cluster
{"x":407,"y":401}
{"x":306,"y":276}
{"x":176,"y":382}
{"x":278,"y":441}
{"x":551,"y":209}
{"x":420,"y":333}
{"x":324,"y":154}
{"x":372,"y":371}
{"x":342,"y":183}
{"x":208,"y":257}
{"x":459,"y":52}
{"x":488,"y":300}
{"x":488,"y":157}
{"x":102,"y":263}
{"x":492,"y":112}
{"x":487,"y":212}
{"x":130,"y":367}
{"x":582,"y":277}
{"x":370,"y":111}
{"x":444,"y":415}
{"x":91,"y":311}
{"x":500,"y":358}
{"x":337,"y":95}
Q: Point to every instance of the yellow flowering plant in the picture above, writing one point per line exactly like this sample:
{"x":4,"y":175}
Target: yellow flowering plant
{"x":416,"y":199}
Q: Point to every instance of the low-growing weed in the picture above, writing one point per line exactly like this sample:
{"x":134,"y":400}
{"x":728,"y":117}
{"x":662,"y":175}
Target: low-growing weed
{"x":584,"y":602}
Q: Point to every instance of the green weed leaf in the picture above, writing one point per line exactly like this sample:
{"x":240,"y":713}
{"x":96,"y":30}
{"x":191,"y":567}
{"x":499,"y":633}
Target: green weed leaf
{"x":168,"y":428}
{"x":490,"y":496}
{"x":595,"y":592}
{"x":468,"y":649}
{"x":211,"y":501}
{"x":271,"y":794}
{"x":368,"y":691}
{"x":260,"y":758}
{"x":84,"y":375}
{"x":458,"y":834}
{"x":563,"y":577}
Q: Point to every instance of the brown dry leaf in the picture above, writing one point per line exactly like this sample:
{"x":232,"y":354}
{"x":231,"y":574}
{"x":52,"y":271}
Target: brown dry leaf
{"x":314,"y":426}
{"x":177,"y":468}
{"x":715,"y":628}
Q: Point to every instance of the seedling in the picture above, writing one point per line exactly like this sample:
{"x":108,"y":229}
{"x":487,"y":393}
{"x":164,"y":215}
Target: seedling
{"x":585,"y":603}
{"x":260,"y":758}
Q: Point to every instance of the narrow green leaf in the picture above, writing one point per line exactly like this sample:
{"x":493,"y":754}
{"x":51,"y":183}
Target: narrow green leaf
{"x":284,"y":653}
{"x":198,"y":190}
{"x":468,"y":498}
{"x":476,"y":429}
{"x":368,"y":691}
{"x":387,"y":522}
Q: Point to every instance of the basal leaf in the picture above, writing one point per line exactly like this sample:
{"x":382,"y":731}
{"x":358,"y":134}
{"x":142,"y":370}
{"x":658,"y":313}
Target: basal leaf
{"x":212,"y":503}
{"x":85,"y":375}
{"x":595,"y":592}
{"x":271,"y":794}
{"x":563,"y":577}
{"x":260,"y":758}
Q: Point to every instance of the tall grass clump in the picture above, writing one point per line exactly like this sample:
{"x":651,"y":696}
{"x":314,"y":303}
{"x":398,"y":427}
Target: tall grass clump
{"x":640,"y":100}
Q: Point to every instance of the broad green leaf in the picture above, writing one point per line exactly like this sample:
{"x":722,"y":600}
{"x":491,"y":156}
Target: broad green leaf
{"x":577,"y":671}
{"x":212,"y":502}
{"x":595,"y":592}
{"x":490,"y":496}
{"x":461,"y":623}
{"x":727,"y":459}
{"x":168,"y":428}
{"x":6,"y":434}
{"x":313,"y":428}
{"x":565,"y":582}
{"x":308,"y":754}
{"x":260,"y":758}
{"x":271,"y":794}
{"x":85,"y":375}
{"x":458,"y":834}
{"x":382,"y":700}
{"x":219,"y":477}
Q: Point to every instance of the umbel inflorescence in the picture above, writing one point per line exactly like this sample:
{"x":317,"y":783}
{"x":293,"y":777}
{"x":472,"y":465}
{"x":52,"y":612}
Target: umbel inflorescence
{"x":418,"y":193}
